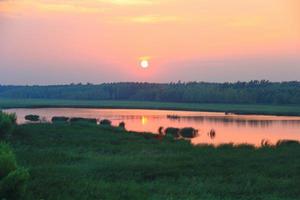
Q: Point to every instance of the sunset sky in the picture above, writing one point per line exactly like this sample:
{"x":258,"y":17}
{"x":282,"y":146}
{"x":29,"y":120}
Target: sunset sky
{"x":64,"y":41}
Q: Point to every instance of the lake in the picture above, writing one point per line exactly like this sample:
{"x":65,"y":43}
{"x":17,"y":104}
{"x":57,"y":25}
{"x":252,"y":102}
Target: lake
{"x":229,"y":128}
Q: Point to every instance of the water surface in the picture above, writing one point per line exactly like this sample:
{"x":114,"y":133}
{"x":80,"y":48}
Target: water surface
{"x":230,"y":128}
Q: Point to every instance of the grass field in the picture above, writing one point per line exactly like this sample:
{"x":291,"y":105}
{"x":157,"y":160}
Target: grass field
{"x":292,"y":110}
{"x":90,"y":162}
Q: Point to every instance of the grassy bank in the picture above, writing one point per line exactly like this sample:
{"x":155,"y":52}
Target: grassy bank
{"x":89,"y":162}
{"x":292,"y":110}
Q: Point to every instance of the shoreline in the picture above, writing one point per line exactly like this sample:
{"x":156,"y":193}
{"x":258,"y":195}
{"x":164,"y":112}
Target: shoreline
{"x":237,"y":109}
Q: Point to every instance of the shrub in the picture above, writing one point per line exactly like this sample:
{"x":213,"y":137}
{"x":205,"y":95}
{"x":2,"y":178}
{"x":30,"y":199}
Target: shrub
{"x":12,"y":178}
{"x":172,"y":131}
{"x":287,"y":142}
{"x":7,"y":123}
{"x":59,"y":119}
{"x":105,"y":122}
{"x":83,"y":120}
{"x":188,"y":132}
{"x":32,"y":118}
{"x":122,"y":125}
{"x":7,"y":160}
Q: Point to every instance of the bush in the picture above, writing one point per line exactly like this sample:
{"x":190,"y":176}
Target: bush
{"x":59,"y":119}
{"x":83,"y":120}
{"x":7,"y":123}
{"x":172,"y":131}
{"x":188,"y":132}
{"x":7,"y":160}
{"x":122,"y":125}
{"x":32,"y":118}
{"x":105,"y":122}
{"x":287,"y":142}
{"x":12,"y":178}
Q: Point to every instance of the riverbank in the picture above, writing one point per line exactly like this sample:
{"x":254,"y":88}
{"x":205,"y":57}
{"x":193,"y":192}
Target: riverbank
{"x":90,"y":162}
{"x":280,"y":110}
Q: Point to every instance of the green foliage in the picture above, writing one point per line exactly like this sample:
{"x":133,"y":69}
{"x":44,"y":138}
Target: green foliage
{"x":14,"y":184}
{"x":57,"y":119}
{"x":172,"y":131}
{"x":7,"y":124}
{"x":188,"y":132}
{"x":75,"y":161}
{"x":33,"y":118}
{"x":229,"y":108}
{"x":287,"y":143}
{"x":105,"y":122}
{"x":253,"y":92}
{"x":12,"y":178}
{"x":122,"y":125}
{"x":83,"y":120}
{"x":7,"y":160}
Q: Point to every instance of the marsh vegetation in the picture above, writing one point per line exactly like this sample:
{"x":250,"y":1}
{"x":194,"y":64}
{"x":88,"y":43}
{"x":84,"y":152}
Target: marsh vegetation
{"x":85,"y":161}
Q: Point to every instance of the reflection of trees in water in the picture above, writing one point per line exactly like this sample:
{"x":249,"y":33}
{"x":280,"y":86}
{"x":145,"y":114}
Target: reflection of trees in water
{"x":238,"y":121}
{"x":138,"y":117}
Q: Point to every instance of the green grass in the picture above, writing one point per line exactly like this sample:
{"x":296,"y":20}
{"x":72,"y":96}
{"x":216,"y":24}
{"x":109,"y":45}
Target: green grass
{"x":292,"y":110}
{"x":90,"y":162}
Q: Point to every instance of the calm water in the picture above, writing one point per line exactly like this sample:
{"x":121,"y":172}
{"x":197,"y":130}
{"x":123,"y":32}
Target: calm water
{"x":229,"y":128}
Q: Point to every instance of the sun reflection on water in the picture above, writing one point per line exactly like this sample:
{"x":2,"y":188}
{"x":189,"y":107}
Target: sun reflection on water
{"x":144,"y":120}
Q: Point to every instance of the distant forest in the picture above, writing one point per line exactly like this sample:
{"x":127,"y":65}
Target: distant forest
{"x":253,"y":92}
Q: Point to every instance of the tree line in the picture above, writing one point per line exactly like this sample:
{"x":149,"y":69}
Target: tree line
{"x":252,"y":92}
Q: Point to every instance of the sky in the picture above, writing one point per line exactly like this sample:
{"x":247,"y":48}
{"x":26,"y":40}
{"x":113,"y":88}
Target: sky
{"x":96,"y":41}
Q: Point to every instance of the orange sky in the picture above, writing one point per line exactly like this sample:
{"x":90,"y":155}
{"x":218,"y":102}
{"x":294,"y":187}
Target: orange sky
{"x":55,"y":41}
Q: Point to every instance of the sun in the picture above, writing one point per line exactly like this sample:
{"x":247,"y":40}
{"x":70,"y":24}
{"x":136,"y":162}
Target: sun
{"x":144,"y":63}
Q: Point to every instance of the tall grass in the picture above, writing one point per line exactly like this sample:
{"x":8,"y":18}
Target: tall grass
{"x":86,"y":161}
{"x":7,"y":124}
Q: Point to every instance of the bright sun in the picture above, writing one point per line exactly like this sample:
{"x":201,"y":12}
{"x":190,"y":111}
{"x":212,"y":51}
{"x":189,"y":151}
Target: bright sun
{"x":144,"y":64}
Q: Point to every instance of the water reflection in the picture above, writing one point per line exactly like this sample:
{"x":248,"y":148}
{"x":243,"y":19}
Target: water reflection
{"x":213,"y":128}
{"x":144,"y":120}
{"x":237,"y":121}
